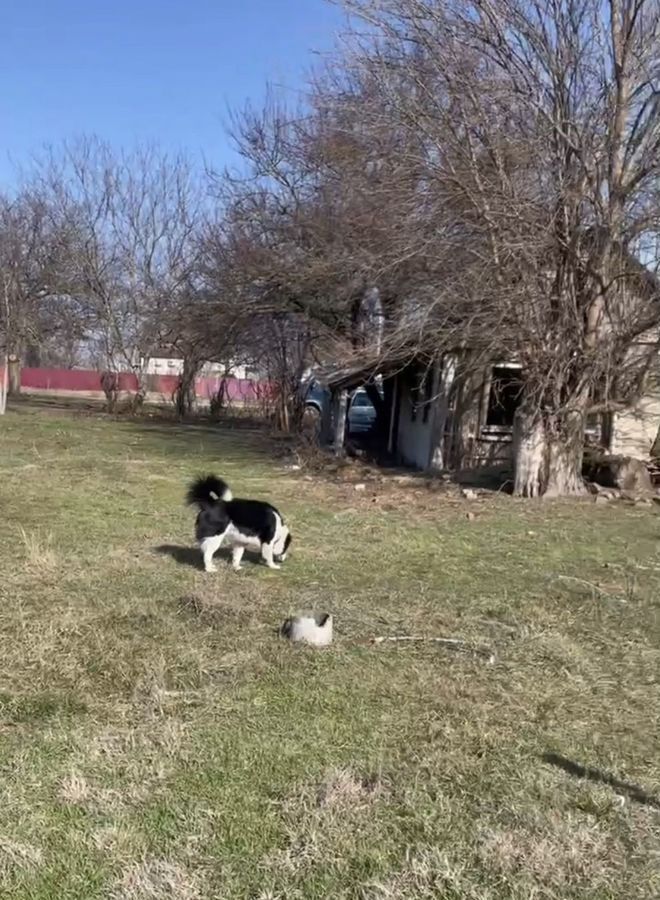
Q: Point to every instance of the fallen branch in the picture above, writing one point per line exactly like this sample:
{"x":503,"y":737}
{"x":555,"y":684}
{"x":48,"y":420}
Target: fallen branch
{"x":507,"y":626}
{"x":589,"y":584}
{"x":451,"y":643}
{"x":638,"y":566}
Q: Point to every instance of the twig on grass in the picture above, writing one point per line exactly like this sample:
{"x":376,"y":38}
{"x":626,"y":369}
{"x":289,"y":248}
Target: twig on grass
{"x":582,"y":581}
{"x":595,"y":589}
{"x":450,"y":643}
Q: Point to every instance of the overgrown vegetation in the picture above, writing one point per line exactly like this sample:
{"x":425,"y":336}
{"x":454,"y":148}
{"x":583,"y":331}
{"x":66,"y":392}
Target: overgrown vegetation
{"x":159,"y":741}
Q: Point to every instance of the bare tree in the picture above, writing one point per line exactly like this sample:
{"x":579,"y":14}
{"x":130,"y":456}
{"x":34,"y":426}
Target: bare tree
{"x":204,"y":328}
{"x":137,"y":218}
{"x":313,"y":231}
{"x":4,"y":371}
{"x":33,"y":254}
{"x":535,"y":133}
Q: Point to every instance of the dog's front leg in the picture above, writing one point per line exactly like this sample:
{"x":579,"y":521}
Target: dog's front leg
{"x":267,"y":554}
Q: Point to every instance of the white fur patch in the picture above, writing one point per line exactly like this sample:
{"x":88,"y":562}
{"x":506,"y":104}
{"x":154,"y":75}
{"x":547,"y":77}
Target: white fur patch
{"x":308,"y":630}
{"x":281,"y":534}
{"x":236,"y":538}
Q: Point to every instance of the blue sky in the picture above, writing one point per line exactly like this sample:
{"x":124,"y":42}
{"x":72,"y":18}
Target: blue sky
{"x":147,"y":70}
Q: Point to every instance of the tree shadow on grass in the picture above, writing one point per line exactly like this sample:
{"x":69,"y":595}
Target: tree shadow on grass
{"x":633,"y":791}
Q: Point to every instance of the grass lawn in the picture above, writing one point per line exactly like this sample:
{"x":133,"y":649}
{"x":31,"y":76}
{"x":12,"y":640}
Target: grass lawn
{"x":159,"y":742}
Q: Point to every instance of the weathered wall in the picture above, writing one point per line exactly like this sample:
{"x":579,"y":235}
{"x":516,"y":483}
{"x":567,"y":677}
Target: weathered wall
{"x":634,"y":432}
{"x":414,"y":436}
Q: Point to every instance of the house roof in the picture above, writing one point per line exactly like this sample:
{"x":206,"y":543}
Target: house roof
{"x":368,"y":363}
{"x":364,"y":366}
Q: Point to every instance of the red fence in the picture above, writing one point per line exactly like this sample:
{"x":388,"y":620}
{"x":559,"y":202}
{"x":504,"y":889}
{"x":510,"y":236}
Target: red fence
{"x":89,"y":381}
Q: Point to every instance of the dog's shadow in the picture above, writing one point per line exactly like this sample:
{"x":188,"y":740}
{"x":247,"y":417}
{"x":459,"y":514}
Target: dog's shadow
{"x":184,"y":556}
{"x":190,"y":556}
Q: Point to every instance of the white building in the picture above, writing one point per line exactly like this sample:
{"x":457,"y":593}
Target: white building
{"x":172,"y":365}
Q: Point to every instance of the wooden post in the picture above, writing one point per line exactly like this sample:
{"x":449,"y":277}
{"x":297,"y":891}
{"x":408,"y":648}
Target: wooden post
{"x":440,"y":450}
{"x":14,"y":386}
{"x":339,"y":410}
{"x":392,"y":436}
{"x":325,"y":429}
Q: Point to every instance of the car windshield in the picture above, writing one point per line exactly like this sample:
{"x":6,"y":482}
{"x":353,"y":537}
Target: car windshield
{"x":361,"y":399}
{"x":314,"y":389}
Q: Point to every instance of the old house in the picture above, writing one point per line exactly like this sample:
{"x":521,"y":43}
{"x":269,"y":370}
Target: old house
{"x":457,"y":412}
{"x":439,"y":418}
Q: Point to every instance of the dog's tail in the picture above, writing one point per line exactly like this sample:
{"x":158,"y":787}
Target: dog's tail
{"x":207,"y":491}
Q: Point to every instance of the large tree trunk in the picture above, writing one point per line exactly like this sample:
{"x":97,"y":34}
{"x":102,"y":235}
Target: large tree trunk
{"x":565,"y":449}
{"x":185,"y":396}
{"x":529,"y":454}
{"x":220,"y":399}
{"x":547,"y":454}
{"x":110,"y":386}
{"x":136,"y":402}
{"x":14,"y":386}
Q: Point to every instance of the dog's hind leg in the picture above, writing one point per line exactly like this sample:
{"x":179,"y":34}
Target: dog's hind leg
{"x":267,"y":554}
{"x":209,"y":546}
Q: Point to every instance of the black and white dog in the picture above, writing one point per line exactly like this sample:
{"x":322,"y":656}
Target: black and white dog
{"x":241,"y":524}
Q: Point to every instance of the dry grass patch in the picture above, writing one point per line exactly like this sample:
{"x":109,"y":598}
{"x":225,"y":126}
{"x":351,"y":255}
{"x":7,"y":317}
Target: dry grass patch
{"x":114,"y":841}
{"x":430,"y":875}
{"x":561,"y":851}
{"x":157,"y":879}
{"x":343,"y":789}
{"x":18,"y":858}
{"x":139,"y":780}
{"x":39,"y":552}
{"x":218,"y":611}
{"x":162,"y":737}
{"x":321,"y":820}
{"x":74,"y":790}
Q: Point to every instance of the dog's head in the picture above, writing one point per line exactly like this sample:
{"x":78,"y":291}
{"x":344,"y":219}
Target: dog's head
{"x":282,"y":544}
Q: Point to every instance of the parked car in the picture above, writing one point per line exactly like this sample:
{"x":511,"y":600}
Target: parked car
{"x":317,"y":397}
{"x":361,"y":411}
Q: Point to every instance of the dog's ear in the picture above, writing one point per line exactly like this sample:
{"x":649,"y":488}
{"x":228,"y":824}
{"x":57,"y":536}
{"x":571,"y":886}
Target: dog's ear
{"x":322,"y":620}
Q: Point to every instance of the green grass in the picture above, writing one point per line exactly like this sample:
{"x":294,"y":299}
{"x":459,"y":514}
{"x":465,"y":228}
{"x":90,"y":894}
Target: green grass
{"x":157,"y":739}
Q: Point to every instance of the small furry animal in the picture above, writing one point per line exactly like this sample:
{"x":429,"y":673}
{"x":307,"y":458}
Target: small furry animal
{"x":242,"y":524}
{"x":316,"y":630}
